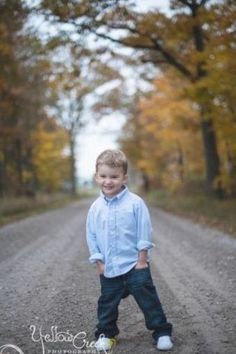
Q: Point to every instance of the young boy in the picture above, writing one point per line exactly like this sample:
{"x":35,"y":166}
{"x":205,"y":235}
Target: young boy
{"x":119,"y":237}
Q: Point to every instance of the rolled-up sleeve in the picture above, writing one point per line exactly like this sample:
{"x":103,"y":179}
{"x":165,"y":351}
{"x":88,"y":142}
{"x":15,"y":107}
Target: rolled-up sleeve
{"x":144,"y":227}
{"x":95,"y":253}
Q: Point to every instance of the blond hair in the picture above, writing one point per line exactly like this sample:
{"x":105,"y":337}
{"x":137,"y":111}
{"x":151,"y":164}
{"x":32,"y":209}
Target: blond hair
{"x":113,"y":158}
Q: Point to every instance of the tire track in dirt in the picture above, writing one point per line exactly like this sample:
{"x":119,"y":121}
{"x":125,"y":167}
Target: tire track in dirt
{"x":206,"y":297}
{"x":46,"y":280}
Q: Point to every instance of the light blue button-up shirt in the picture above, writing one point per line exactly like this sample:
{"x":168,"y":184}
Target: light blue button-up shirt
{"x":117,"y":229}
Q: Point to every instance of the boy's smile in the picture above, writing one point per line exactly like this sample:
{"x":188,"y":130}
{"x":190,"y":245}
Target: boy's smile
{"x":110,"y":179}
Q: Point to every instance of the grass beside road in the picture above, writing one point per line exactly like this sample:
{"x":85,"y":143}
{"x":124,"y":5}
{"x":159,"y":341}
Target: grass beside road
{"x":199,"y":207}
{"x":13,"y":209}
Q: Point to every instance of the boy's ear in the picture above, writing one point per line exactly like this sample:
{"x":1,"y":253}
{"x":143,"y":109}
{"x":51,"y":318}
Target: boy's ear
{"x":125,"y":178}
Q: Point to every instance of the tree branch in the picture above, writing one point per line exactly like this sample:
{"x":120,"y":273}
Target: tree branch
{"x":172,"y":61}
{"x":203,"y":2}
{"x":156,"y":47}
{"x":194,"y":3}
{"x":135,"y":46}
{"x":185,"y":2}
{"x":168,"y":57}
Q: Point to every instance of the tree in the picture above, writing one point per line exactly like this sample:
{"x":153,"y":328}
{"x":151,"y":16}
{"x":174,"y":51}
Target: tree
{"x":51,"y":162}
{"x":179,"y":41}
{"x":163,"y":137}
{"x":20,"y":106}
{"x":73,"y":81}
{"x":25,"y":73}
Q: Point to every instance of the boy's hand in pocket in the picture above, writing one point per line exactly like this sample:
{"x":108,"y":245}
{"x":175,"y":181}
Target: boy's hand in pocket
{"x":100,"y":267}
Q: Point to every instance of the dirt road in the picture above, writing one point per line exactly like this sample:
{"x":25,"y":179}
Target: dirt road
{"x":48,"y":287}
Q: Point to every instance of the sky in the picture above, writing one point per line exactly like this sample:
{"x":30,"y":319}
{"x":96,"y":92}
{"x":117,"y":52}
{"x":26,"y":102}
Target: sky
{"x":92,"y":140}
{"x":96,"y":137}
{"x":145,"y":5}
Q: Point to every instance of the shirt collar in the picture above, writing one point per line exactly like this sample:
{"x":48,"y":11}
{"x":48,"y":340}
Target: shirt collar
{"x":117,"y":196}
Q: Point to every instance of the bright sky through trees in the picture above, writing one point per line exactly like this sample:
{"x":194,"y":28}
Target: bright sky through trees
{"x":95,"y":139}
{"x":158,"y":81}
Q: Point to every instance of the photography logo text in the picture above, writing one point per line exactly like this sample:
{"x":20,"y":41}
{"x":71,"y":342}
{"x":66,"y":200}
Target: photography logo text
{"x":79,"y":343}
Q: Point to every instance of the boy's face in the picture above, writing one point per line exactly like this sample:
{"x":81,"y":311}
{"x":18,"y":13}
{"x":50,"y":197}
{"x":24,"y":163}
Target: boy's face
{"x":110,"y":179}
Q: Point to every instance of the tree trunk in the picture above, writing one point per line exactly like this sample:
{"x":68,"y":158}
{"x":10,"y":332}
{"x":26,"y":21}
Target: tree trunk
{"x":180,"y":162}
{"x":72,"y":165}
{"x":212,"y":161}
{"x":19,"y":166}
{"x":145,"y":182}
{"x":231,"y":169}
{"x":211,"y":156}
{"x":2,"y":179}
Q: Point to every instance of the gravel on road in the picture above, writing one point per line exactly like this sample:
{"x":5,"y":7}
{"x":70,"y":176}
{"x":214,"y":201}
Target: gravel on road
{"x":49,"y":291}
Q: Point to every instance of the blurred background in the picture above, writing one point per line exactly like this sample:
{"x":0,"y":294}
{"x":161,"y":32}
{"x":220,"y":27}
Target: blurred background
{"x":153,"y":78}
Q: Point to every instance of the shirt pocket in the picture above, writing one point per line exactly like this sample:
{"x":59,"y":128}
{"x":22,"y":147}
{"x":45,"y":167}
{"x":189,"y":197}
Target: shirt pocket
{"x":126,"y":220}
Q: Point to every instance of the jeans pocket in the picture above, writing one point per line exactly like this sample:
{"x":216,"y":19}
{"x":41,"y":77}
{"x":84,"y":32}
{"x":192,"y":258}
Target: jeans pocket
{"x":141,"y":269}
{"x":140,"y":277}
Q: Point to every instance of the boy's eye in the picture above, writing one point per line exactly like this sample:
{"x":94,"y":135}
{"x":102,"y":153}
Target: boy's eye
{"x":112,"y":176}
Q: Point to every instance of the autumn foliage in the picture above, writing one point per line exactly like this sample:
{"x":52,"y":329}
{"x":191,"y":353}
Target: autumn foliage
{"x":163,"y":136}
{"x":181,"y":132}
{"x":32,"y":144}
{"x":186,"y":121}
{"x":167,"y":129}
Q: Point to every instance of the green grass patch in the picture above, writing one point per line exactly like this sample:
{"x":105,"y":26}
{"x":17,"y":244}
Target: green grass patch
{"x":198,"y":206}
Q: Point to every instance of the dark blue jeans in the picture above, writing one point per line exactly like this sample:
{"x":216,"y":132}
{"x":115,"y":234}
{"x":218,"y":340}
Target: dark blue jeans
{"x":137,"y":282}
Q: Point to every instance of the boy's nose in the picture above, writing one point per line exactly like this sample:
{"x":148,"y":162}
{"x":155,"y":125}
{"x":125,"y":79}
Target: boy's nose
{"x":107,"y":180}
